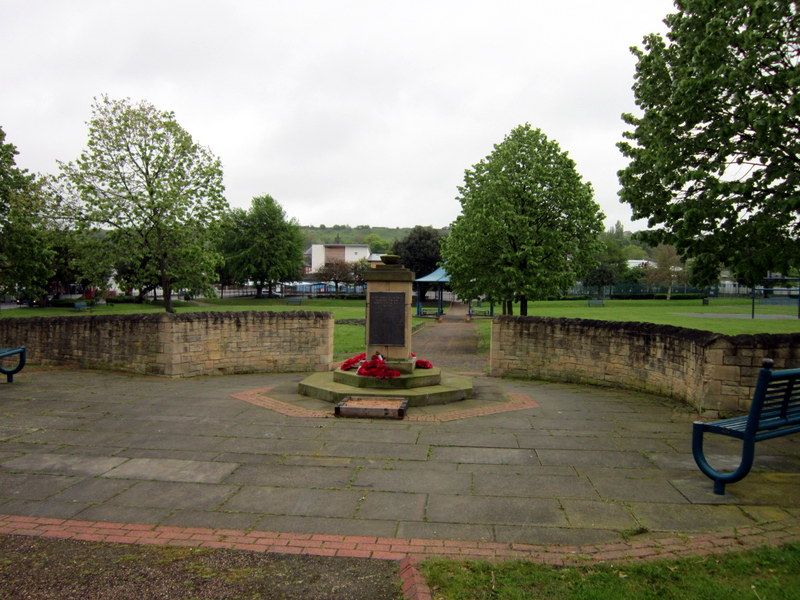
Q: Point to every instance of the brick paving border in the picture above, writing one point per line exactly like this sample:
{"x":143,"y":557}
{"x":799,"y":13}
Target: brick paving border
{"x":409,"y":551}
{"x":259,"y":397}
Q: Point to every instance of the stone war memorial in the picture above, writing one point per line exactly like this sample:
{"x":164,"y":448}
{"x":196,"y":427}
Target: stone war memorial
{"x":388,"y":370}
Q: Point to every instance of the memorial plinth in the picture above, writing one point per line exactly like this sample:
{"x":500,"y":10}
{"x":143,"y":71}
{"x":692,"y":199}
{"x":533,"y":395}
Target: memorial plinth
{"x":389,"y":313}
{"x":388,"y":333}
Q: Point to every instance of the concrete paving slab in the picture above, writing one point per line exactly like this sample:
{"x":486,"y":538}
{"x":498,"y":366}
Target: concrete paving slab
{"x":495,"y":510}
{"x":542,"y":486}
{"x":376,"y":450}
{"x":44,"y":508}
{"x":630,"y":460}
{"x":294,"y":501}
{"x":93,"y":490}
{"x":27,"y":486}
{"x":571,"y":536}
{"x":170,"y":469}
{"x":474,"y":439}
{"x":212,"y":519}
{"x":495,"y":456}
{"x":124,"y":514}
{"x":447,"y":531}
{"x":173,"y":454}
{"x":397,"y":506}
{"x":403,"y":480}
{"x":637,"y":489}
{"x":598,"y":514}
{"x":290,"y":476}
{"x":174,"y":495}
{"x":66,"y":464}
{"x":542,"y":440}
{"x":688,"y":517}
{"x":332,"y":526}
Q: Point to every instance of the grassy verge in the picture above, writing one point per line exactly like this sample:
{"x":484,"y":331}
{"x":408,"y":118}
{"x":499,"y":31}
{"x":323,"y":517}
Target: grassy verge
{"x":483,"y":327}
{"x":720,"y":316}
{"x":772,"y":573}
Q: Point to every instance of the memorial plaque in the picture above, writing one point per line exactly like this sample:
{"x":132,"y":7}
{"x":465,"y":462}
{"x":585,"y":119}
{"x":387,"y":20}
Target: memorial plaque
{"x":387,"y":319}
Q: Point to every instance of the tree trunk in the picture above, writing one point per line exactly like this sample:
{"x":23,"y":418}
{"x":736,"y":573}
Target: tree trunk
{"x":166,"y":288}
{"x":523,"y":306}
{"x":259,"y":290}
{"x":335,"y":289}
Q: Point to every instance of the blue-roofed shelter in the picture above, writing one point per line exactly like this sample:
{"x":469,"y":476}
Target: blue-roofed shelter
{"x":438,"y":278}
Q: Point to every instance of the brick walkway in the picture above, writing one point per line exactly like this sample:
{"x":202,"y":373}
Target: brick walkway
{"x":581,"y":473}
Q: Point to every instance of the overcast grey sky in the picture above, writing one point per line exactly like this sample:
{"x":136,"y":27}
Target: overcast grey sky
{"x":357,"y":112}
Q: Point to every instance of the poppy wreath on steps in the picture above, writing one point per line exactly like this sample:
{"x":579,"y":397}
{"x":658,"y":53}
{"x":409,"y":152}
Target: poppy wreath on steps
{"x":377,"y":367}
{"x":352,"y":362}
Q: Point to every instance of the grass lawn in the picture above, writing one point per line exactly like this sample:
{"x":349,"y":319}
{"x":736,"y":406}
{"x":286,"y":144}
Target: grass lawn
{"x":760,"y":574}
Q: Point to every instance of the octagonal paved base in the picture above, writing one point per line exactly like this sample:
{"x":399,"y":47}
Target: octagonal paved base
{"x":451,"y":389}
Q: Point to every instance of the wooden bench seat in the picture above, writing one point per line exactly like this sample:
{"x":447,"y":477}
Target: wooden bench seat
{"x":774,"y":412}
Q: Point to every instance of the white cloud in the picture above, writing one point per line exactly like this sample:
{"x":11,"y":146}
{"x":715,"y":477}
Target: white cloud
{"x":346,"y":112}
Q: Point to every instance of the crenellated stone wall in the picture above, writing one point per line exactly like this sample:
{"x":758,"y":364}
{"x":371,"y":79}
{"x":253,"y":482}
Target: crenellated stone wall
{"x":184,"y":345}
{"x":712,"y":372}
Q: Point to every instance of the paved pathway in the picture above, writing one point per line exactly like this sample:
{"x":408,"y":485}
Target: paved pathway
{"x":587,"y":466}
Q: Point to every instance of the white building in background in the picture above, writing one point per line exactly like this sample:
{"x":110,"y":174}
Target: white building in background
{"x":319,"y":254}
{"x":640,"y":262}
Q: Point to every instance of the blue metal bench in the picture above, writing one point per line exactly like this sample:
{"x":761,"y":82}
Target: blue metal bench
{"x":9,"y":373}
{"x":294,"y":300}
{"x":775,"y":412}
{"x":80,"y":305}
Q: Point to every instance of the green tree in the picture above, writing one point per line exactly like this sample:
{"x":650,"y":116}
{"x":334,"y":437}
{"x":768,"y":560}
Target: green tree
{"x":420,"y":250}
{"x":337,"y":271}
{"x":715,"y":153}
{"x":360,"y":270}
{"x":669,"y":269}
{"x":377,"y":244}
{"x":529,"y":225}
{"x":262,"y":245}
{"x":157,"y":193}
{"x":25,"y":244}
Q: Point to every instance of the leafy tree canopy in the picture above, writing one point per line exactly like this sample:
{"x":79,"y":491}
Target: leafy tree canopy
{"x":529,"y":225}
{"x":144,"y":179}
{"x":261,"y":245}
{"x":25,"y":244}
{"x":715,"y":153}
{"x":420,"y":250}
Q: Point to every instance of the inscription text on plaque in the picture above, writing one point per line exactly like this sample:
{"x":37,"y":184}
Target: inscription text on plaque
{"x":387,"y":313}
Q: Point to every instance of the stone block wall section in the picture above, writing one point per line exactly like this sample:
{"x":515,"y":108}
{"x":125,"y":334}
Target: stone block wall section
{"x":712,"y":372}
{"x":184,"y":345}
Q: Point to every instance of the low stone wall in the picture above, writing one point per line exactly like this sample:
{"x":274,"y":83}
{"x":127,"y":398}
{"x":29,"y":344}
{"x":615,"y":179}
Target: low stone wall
{"x":712,"y":372}
{"x":184,"y":345}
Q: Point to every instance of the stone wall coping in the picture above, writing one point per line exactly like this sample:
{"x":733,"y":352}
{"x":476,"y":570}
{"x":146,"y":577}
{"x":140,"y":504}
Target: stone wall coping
{"x":696,"y":335}
{"x":161,"y":317}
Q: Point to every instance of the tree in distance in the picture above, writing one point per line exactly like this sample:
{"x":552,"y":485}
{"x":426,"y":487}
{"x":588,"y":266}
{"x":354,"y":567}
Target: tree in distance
{"x":420,"y":250}
{"x":261,"y":245}
{"x":529,"y":225}
{"x":715,"y":154}
{"x":157,"y":193}
{"x":337,"y":271}
{"x":669,"y":269}
{"x":26,"y":252}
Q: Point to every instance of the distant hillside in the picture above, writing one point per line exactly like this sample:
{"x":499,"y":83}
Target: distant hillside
{"x":345,"y":234}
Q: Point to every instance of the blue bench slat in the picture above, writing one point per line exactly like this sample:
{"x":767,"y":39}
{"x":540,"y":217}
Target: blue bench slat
{"x":776,"y":410}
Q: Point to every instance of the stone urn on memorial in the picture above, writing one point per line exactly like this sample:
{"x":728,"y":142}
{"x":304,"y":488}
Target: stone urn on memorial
{"x":388,"y":334}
